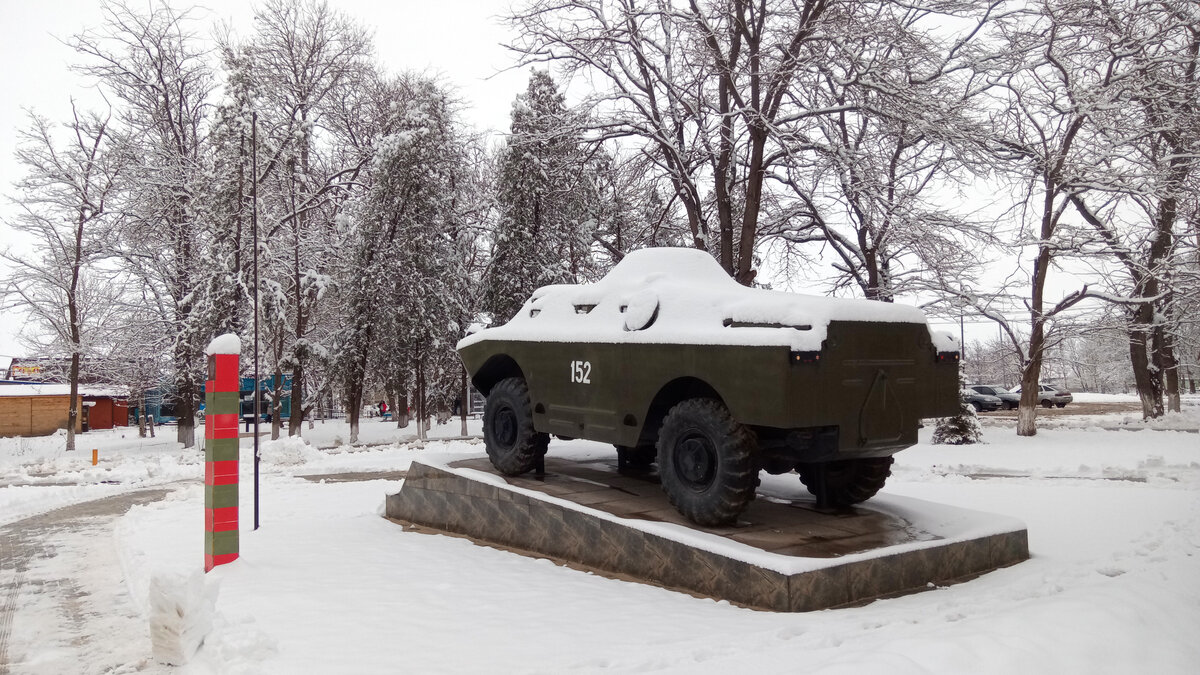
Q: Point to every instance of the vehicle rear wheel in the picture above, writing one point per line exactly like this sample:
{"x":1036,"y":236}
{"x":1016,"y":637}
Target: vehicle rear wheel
{"x":1061,"y":405}
{"x":706,"y":462}
{"x":845,"y":482}
{"x":1047,"y":403}
{"x":512,"y":443}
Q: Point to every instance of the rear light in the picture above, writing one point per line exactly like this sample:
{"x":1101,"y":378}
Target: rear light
{"x":947,"y":357}
{"x":806,"y":357}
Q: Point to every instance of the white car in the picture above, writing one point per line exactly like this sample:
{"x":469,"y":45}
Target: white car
{"x":1050,"y":396}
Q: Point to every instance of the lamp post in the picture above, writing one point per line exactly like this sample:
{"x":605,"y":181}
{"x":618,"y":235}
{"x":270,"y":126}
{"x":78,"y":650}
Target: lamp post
{"x":254,"y":238}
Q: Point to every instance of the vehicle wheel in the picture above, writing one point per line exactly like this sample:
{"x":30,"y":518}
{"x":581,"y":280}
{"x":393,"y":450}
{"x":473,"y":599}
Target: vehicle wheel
{"x":1061,"y":405}
{"x":1047,"y":403}
{"x":847,"y":481}
{"x":640,"y":457}
{"x":978,"y":408}
{"x":512,"y":443}
{"x":706,"y":462}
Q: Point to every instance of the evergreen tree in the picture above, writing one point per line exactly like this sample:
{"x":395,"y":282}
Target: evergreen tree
{"x":960,"y":429}
{"x":543,"y":232}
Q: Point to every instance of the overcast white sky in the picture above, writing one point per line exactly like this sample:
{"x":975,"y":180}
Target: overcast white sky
{"x":460,"y":40}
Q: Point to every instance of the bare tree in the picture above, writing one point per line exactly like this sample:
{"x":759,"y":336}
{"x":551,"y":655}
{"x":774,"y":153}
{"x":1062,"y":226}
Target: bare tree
{"x":1133,"y":198}
{"x":66,"y":200}
{"x":153,"y":65}
{"x":879,"y":141}
{"x":301,"y":59}
{"x":701,"y":86}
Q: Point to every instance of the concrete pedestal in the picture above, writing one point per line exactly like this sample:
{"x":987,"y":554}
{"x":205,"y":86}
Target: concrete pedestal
{"x":782,"y":555}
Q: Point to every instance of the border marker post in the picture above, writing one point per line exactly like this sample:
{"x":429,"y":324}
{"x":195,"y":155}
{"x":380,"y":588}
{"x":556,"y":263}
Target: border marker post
{"x":222,"y":406}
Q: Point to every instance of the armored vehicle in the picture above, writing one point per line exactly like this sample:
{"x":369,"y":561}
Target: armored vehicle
{"x":670,"y":360}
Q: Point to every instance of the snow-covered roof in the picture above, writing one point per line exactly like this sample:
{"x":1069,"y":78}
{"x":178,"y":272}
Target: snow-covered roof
{"x":682,"y":296}
{"x":58,"y":390}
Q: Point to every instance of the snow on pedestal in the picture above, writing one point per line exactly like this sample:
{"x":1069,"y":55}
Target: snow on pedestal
{"x":181,"y":615}
{"x":228,"y":343}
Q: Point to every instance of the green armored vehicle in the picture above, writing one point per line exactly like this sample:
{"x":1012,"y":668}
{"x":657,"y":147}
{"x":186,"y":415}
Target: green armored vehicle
{"x":670,"y":360}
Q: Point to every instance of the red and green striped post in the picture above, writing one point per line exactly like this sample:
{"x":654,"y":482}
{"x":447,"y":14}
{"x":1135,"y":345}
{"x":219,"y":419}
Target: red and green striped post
{"x":222,"y":406}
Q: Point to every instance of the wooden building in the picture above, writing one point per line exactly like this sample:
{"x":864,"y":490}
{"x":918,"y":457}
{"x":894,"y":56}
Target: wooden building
{"x":36,"y":409}
{"x":104,"y":410}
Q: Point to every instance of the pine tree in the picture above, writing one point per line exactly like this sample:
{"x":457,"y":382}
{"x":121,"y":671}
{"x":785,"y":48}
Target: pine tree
{"x":960,"y":429}
{"x":542,"y":235}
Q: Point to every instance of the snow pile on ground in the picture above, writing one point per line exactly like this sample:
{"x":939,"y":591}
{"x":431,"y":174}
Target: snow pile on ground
{"x":288,"y":451}
{"x":181,"y":615}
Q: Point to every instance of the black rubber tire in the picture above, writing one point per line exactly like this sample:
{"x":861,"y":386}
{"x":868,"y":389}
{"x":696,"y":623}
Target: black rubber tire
{"x":1047,"y":403}
{"x":512,"y":443}
{"x":1061,"y":405}
{"x":978,"y":408}
{"x":706,"y":461}
{"x":846,"y":482}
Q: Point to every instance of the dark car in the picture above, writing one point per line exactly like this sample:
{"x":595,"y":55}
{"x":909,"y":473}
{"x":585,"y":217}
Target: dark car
{"x":981,"y":402}
{"x":1050,"y":396}
{"x":1009,"y":400}
{"x":673,"y":362}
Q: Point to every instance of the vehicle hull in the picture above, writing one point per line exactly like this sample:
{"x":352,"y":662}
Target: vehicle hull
{"x":868,"y":387}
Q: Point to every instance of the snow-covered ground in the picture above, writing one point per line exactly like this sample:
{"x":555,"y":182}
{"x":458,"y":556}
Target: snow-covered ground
{"x":327,"y":585}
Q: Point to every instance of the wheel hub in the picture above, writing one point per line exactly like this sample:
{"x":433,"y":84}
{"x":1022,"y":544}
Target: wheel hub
{"x":696,"y":461}
{"x":504,"y":428}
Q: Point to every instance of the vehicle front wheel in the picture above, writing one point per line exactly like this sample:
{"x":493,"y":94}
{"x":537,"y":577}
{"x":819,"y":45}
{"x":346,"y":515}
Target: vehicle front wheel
{"x":845,"y":482}
{"x":512,"y":443}
{"x":978,"y":408}
{"x":706,"y":462}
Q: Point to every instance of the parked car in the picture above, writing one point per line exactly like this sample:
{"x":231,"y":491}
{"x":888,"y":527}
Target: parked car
{"x":981,"y":402}
{"x":1008,"y":399}
{"x":1050,"y":395}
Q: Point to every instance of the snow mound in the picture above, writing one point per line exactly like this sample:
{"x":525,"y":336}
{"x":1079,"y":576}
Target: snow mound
{"x":181,"y":615}
{"x":289,"y":451}
{"x":681,"y":295}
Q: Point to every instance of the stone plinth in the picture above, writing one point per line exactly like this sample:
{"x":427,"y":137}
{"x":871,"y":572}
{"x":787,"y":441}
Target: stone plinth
{"x":783,"y":554}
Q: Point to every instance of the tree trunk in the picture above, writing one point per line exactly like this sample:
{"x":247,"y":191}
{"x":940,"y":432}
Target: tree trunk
{"x":276,"y":403}
{"x":1170,"y":372}
{"x":422,"y":419}
{"x":73,"y":403}
{"x":297,"y":416}
{"x":462,"y":407}
{"x":353,"y":410}
{"x":142,"y":416}
{"x":1147,"y":375}
{"x":401,"y":413}
{"x":1030,"y":377}
{"x":185,"y":412}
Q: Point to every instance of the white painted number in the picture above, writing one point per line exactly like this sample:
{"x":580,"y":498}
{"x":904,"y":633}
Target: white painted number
{"x":581,"y":371}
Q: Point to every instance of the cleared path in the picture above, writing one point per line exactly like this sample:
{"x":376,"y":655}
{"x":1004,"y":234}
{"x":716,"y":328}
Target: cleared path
{"x":63,"y":566}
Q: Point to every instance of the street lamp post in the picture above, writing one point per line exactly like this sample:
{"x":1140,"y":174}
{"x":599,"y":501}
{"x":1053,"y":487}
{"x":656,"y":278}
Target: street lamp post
{"x":254,"y":238}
